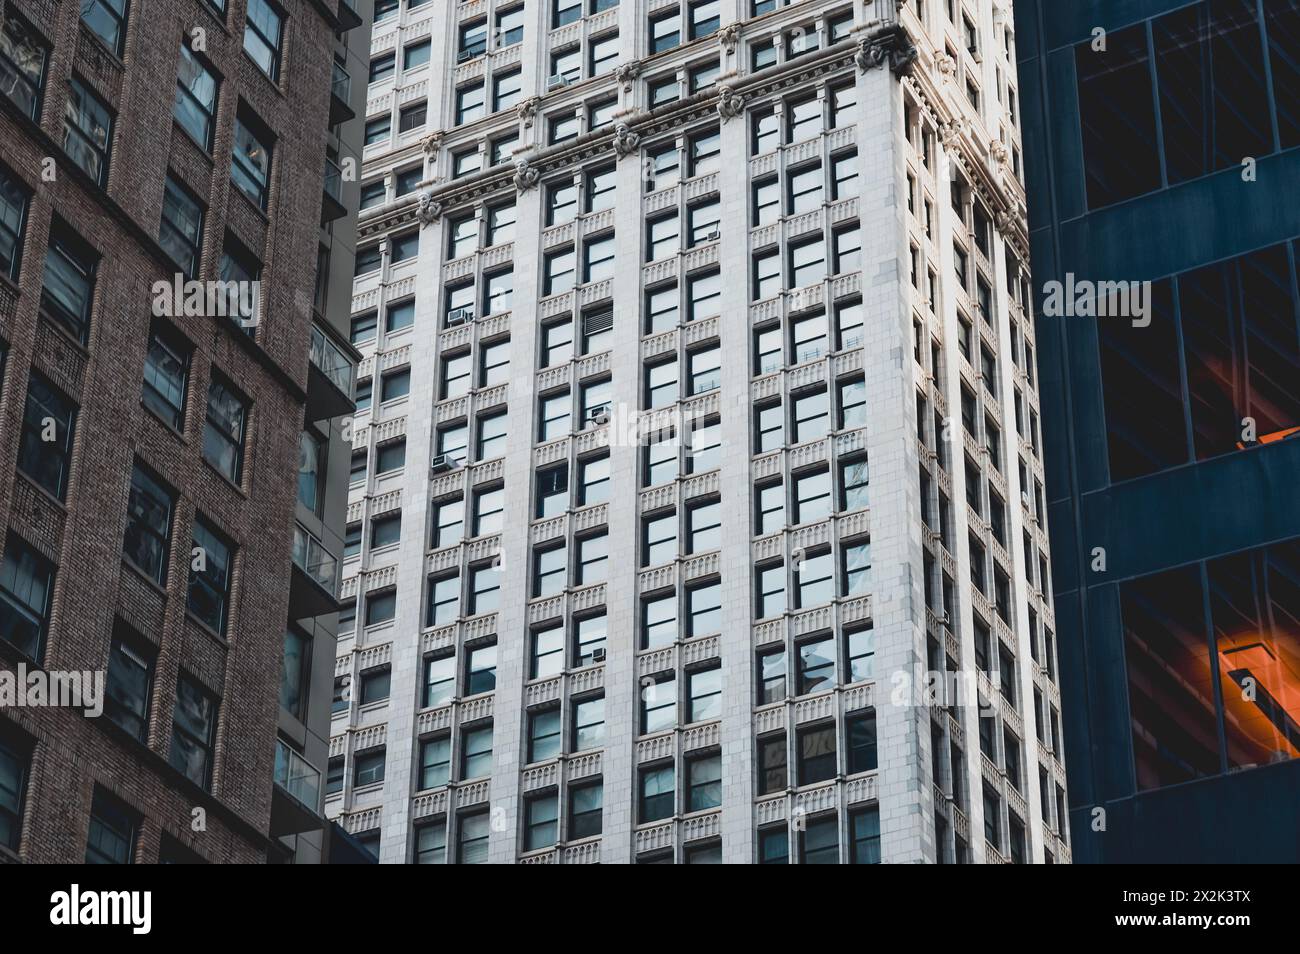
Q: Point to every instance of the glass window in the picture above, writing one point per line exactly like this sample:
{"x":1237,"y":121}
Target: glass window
{"x":194,"y":723}
{"x":771,"y":676}
{"x":704,"y":699}
{"x":87,"y":131}
{"x":22,"y":63}
{"x":864,"y":832}
{"x":705,"y":608}
{"x":1118,"y":127}
{"x":510,"y":26}
{"x":113,"y":832}
{"x":485,"y":592}
{"x":470,"y":103}
{"x":481,"y":670}
{"x":472,"y":846}
{"x":548,"y":653}
{"x":369,"y":768}
{"x":543,"y":823}
{"x":585,"y":804}
{"x":476,"y":752}
{"x":658,"y":793}
{"x":589,"y":724}
{"x":127,"y":691}
{"x":591,"y":635}
{"x":658,"y":703}
{"x":659,"y":621}
{"x":665,"y":31}
{"x":435,"y":762}
{"x":148,"y":525}
{"x":262,"y":36}
{"x":773,"y":765}
{"x":210,"y":573}
{"x":816,"y":754}
{"x":544,"y":735}
{"x":195,"y":107}
{"x":251,"y":167}
{"x":26,"y":584}
{"x":431,"y":844}
{"x":223,"y":432}
{"x":439,"y":678}
{"x":45,"y":444}
{"x":181,"y":232}
{"x":550,"y":571}
{"x":415,"y":54}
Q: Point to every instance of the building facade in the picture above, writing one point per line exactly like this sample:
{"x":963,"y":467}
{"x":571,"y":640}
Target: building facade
{"x":697,"y":426}
{"x":164,"y":176}
{"x":1162,"y":151}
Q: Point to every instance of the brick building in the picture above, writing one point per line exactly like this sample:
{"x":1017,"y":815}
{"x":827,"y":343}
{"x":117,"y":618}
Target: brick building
{"x":152,"y":518}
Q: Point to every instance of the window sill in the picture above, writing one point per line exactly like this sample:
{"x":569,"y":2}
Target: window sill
{"x":273,"y":83}
{"x":52,"y":500}
{"x":58,"y":328}
{"x":91,"y":36}
{"x":176,"y":432}
{"x":159,"y":588}
{"x":205,"y":151}
{"x":206,"y":629}
{"x":225,"y":480}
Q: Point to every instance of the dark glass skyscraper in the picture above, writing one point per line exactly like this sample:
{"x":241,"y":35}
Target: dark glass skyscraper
{"x":1160,"y":142}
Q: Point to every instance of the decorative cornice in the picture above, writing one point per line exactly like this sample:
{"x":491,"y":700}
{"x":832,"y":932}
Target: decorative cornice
{"x":889,"y":43}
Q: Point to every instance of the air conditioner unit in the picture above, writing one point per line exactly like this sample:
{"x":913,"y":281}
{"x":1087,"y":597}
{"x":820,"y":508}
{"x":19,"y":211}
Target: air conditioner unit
{"x":442,"y":463}
{"x":712,"y":235}
{"x":974,"y":51}
{"x":465,"y":55}
{"x":557,"y":81}
{"x":598,"y":655}
{"x":460,"y":315}
{"x":598,"y":415}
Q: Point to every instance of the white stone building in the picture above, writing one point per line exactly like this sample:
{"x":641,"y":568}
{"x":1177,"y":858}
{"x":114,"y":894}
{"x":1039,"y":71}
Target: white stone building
{"x":795,"y":235}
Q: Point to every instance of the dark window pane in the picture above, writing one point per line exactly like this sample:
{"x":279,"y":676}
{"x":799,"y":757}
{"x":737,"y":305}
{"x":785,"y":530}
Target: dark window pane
{"x":1117,"y":118}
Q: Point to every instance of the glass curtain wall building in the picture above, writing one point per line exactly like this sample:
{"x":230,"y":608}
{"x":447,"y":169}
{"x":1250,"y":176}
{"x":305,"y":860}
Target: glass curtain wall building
{"x":1161,"y":148}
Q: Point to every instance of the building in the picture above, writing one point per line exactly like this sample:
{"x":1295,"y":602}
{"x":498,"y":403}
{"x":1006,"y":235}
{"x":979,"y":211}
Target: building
{"x":1161,"y":148}
{"x":157,"y":416}
{"x":641,"y":289}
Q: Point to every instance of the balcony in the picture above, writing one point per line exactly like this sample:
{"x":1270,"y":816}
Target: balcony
{"x":341,"y":96}
{"x":332,"y":206}
{"x":329,"y":378}
{"x":313,"y":586}
{"x":295,"y":800}
{"x":349,"y":19}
